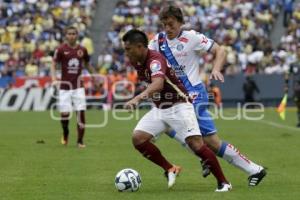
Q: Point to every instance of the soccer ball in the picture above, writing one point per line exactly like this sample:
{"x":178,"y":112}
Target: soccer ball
{"x":128,"y":180}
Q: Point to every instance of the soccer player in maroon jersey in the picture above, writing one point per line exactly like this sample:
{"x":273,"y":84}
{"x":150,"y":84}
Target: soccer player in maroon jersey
{"x":172,"y":108}
{"x":71,"y":57}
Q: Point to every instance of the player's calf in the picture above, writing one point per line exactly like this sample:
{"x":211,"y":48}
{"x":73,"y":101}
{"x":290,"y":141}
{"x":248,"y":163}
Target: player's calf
{"x":201,"y":150}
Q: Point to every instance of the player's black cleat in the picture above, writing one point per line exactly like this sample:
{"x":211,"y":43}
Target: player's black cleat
{"x":224,"y":187}
{"x":205,"y":169}
{"x":255,"y":179}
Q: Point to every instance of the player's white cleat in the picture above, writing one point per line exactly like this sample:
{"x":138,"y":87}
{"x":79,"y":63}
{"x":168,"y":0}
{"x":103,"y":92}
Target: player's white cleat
{"x":224,"y":187}
{"x":81,"y":145}
{"x":64,"y":141}
{"x":171,"y":175}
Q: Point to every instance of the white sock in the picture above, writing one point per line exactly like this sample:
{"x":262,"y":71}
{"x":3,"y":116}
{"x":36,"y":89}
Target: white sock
{"x":229,"y":153}
{"x":235,"y":158}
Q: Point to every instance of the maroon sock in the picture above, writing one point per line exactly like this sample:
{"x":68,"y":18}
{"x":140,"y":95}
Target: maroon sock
{"x":80,"y":126}
{"x":151,"y":152}
{"x":65,"y":125}
{"x":210,"y":158}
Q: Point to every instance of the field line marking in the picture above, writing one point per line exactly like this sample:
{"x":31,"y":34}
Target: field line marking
{"x":277,"y":125}
{"x":274,"y":124}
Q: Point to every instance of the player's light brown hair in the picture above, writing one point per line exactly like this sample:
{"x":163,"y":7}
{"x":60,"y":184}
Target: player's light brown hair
{"x":70,"y":28}
{"x":171,"y":11}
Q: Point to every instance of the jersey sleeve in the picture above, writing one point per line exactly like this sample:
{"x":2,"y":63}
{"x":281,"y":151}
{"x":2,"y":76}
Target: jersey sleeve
{"x":158,"y":68}
{"x":153,"y":44}
{"x":57,"y":55}
{"x":200,"y":41}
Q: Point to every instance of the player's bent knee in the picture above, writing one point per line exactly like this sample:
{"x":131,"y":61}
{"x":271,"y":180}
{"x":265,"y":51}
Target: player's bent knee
{"x":213,"y":142}
{"x":139,"y":137}
{"x":194,"y":142}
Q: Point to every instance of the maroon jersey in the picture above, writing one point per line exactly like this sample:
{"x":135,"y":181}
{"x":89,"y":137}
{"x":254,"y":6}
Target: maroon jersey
{"x":156,"y":66}
{"x":71,"y":61}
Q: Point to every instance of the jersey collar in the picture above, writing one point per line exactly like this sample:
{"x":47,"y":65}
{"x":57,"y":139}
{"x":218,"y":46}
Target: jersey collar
{"x":178,"y":36}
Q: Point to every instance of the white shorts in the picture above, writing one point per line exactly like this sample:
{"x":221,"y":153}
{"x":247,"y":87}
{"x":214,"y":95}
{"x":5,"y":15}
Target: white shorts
{"x":180,"y":118}
{"x":70,"y":100}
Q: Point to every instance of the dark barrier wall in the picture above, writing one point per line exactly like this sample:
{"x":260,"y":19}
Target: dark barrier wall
{"x":38,"y":99}
{"x":271,"y":89}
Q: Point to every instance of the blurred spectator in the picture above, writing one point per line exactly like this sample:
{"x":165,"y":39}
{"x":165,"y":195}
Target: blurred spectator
{"x":288,"y":6}
{"x":132,"y":76}
{"x":294,"y":73}
{"x":30,"y":31}
{"x":31,"y":68}
{"x":87,"y":42}
{"x":250,"y":88}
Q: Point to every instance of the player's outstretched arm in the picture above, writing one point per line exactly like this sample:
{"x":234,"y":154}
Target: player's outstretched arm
{"x":219,"y":60}
{"x":157,"y":84}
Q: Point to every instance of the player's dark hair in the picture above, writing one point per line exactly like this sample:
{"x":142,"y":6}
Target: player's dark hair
{"x":171,"y":11}
{"x":135,"y":36}
{"x":70,"y":28}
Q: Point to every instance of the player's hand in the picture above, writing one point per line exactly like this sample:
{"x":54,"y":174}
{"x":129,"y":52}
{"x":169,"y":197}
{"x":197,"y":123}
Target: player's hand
{"x":216,"y":75}
{"x":132,"y":104}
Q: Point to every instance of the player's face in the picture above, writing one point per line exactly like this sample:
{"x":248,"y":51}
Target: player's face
{"x":133,"y":52}
{"x":71,"y":36}
{"x":172,"y":27}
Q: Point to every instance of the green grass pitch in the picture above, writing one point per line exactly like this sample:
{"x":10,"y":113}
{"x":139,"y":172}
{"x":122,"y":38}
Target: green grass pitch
{"x":42,"y":171}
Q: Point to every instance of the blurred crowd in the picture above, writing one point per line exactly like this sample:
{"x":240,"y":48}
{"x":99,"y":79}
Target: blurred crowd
{"x":30,"y":30}
{"x":243,"y":27}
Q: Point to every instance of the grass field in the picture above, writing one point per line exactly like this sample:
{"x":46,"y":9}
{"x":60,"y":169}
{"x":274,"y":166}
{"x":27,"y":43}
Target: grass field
{"x":42,"y":171}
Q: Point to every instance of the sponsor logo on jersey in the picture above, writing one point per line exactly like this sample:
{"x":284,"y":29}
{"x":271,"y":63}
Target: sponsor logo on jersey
{"x":155,"y":66}
{"x":163,"y":47}
{"x":80,"y":53}
{"x":179,"y":70}
{"x":179,"y":47}
{"x":181,"y":54}
{"x":73,"y":66}
{"x":183,"y":39}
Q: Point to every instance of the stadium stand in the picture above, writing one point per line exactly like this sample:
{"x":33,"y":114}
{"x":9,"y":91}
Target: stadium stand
{"x":243,"y":27}
{"x":30,"y":30}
